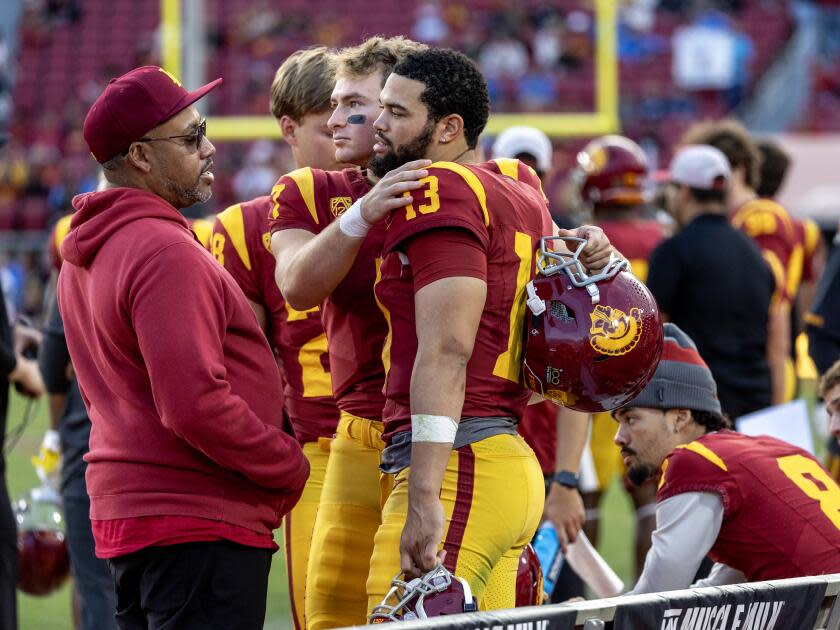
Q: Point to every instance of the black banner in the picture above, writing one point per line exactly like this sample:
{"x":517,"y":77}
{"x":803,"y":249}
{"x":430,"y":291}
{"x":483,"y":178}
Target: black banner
{"x":739,"y":607}
{"x":535,"y":618}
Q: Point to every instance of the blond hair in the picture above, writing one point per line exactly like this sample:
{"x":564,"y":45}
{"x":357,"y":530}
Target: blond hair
{"x":303,"y":83}
{"x":375,"y":53}
{"x":732,"y":139}
{"x":830,"y":379}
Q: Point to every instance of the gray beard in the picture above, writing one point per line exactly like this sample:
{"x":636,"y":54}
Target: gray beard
{"x":187,"y":196}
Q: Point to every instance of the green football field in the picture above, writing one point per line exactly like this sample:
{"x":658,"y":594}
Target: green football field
{"x":54,"y":612}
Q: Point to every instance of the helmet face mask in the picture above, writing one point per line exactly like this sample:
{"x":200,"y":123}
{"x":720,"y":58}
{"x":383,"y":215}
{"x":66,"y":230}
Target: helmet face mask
{"x":436,"y":594}
{"x":591,"y":342}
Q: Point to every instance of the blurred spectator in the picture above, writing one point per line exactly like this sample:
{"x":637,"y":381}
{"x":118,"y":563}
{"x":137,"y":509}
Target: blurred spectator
{"x":710,"y":54}
{"x":429,"y":25}
{"x":503,"y":57}
{"x":537,"y":90}
{"x":548,"y":43}
{"x":829,"y":23}
{"x":256,"y":177}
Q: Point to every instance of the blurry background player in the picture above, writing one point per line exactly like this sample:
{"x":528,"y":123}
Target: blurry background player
{"x":93,"y":590}
{"x":761,"y":508}
{"x":300,"y":101}
{"x":610,"y":179}
{"x":823,"y":327}
{"x":313,"y":268}
{"x":14,"y":368}
{"x":769,"y":225}
{"x":806,"y":265}
{"x":466,"y":486}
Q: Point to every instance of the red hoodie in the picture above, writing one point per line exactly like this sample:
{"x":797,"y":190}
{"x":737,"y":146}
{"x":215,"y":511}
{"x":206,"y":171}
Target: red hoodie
{"x":182,"y":389}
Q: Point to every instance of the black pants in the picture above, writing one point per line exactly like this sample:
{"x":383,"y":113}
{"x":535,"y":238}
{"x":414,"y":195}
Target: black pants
{"x":93,"y":582}
{"x":8,"y":558}
{"x":195,"y":585}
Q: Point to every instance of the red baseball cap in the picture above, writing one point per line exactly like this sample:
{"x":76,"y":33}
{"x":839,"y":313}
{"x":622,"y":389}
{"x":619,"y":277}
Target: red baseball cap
{"x":133,"y":104}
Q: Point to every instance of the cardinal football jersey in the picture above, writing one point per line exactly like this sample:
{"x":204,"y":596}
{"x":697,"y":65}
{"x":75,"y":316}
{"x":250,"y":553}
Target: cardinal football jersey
{"x":241,"y":243}
{"x":311,"y":199}
{"x":781,"y":508}
{"x":507,"y":217}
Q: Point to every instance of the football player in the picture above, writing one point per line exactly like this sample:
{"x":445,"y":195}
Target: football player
{"x":830,"y":392}
{"x":761,"y":508}
{"x":804,"y":271}
{"x":468,"y":491}
{"x":610,"y":178}
{"x":300,"y":101}
{"x":305,"y":206}
{"x":766,"y":222}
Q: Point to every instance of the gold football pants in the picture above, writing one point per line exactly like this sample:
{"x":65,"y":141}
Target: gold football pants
{"x":493,"y":494}
{"x":299,"y":524}
{"x":348,"y":517}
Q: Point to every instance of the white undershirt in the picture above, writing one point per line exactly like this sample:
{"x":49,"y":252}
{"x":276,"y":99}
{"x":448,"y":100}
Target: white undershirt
{"x":687,"y":526}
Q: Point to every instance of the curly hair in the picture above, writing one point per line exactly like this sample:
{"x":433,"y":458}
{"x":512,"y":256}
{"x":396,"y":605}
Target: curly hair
{"x":375,"y":53}
{"x":454,"y":85}
{"x":303,"y":83}
{"x":711,"y":420}
{"x":734,"y":141}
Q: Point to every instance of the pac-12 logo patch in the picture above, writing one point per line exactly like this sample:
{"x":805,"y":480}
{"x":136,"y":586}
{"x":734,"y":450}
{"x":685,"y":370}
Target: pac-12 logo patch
{"x":339,"y":204}
{"x":614,"y":332}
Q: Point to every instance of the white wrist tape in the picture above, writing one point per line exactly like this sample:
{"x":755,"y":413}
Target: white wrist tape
{"x":439,"y":429}
{"x":352,"y":223}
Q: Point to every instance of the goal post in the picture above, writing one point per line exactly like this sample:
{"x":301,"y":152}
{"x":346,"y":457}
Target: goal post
{"x":603,"y":120}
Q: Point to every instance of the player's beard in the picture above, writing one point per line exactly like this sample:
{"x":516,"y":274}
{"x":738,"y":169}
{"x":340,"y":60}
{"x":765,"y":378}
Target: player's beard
{"x":640,"y":473}
{"x":414,"y":149}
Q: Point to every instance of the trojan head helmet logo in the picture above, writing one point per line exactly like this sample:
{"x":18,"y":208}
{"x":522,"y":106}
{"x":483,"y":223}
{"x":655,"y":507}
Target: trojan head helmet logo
{"x":580,"y":330}
{"x":614,"y":332}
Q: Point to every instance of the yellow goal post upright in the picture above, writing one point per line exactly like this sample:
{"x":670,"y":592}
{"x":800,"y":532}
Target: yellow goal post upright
{"x":603,"y":120}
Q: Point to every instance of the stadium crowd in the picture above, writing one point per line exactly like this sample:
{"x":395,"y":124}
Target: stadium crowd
{"x":405,"y":441}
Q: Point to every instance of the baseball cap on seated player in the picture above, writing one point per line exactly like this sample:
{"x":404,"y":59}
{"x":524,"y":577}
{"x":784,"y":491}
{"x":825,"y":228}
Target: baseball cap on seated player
{"x":133,"y":104}
{"x":514,"y":141}
{"x":700,"y":166}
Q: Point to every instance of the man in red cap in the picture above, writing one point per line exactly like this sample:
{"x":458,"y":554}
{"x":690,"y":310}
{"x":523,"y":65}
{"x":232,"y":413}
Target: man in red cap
{"x":191,"y":464}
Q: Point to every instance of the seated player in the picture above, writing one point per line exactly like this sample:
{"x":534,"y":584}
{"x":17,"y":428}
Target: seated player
{"x":830,"y":392}
{"x":762,"y":509}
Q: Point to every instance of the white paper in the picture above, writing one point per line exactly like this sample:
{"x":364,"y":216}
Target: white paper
{"x":592,"y":568}
{"x":788,"y":422}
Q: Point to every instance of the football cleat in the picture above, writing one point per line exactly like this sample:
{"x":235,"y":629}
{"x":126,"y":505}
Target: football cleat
{"x":438,"y":593}
{"x":592,"y":342}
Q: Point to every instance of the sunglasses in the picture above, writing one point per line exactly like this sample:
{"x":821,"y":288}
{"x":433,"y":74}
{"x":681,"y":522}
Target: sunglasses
{"x":191,"y":140}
